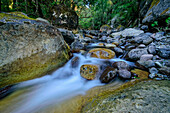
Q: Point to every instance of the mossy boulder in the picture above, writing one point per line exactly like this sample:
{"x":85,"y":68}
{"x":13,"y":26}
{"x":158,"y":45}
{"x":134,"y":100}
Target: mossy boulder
{"x":101,"y":53}
{"x":105,"y":28}
{"x":158,"y":9}
{"x":29,"y":50}
{"x":89,"y":71}
{"x":144,"y":97}
{"x":64,"y":17}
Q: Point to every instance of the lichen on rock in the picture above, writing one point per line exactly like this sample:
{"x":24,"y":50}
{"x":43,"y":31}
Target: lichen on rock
{"x":29,"y":50}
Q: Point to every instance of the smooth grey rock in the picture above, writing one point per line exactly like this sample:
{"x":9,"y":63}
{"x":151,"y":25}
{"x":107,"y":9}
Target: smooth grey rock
{"x":121,"y":65}
{"x":128,"y":32}
{"x":146,"y":64}
{"x":153,"y":70}
{"x":152,"y":75}
{"x":146,"y":57}
{"x":164,"y":52}
{"x":118,"y":51}
{"x":135,"y":54}
{"x":152,"y":49}
{"x":165,"y":70}
{"x":123,"y":73}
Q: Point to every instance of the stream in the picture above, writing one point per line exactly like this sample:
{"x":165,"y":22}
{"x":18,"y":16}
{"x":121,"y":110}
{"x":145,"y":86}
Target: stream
{"x":61,"y":85}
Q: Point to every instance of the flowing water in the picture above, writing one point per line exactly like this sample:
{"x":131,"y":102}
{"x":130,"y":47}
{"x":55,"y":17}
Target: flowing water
{"x":65,"y":83}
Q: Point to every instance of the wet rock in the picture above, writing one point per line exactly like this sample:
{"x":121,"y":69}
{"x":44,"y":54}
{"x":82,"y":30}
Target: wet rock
{"x":94,"y":32}
{"x":153,"y":70}
{"x":141,"y":46}
{"x":108,"y":74}
{"x":158,"y":64}
{"x":28,"y":51}
{"x":123,"y":73}
{"x":75,"y":62}
{"x":152,"y":75}
{"x":152,"y":49}
{"x":144,"y":28}
{"x":101,"y":53}
{"x":147,"y":41}
{"x":135,"y":54}
{"x":141,"y":74}
{"x":145,"y":64}
{"x":103,"y":38}
{"x":167,"y":63}
{"x":165,"y":70}
{"x":118,"y":51}
{"x":105,"y":28}
{"x":121,"y":65}
{"x":64,"y":17}
{"x":68,"y":35}
{"x":143,"y":38}
{"x":89,"y":36}
{"x":143,"y":97}
{"x":158,"y":9}
{"x":76,"y":46}
{"x":110,"y":45}
{"x":128,"y":32}
{"x":89,"y":71}
{"x":164,"y":52}
{"x":87,"y":39}
{"x":146,"y":57}
{"x":115,"y":43}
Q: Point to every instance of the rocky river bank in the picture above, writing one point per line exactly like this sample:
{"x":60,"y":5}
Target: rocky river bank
{"x":133,"y":62}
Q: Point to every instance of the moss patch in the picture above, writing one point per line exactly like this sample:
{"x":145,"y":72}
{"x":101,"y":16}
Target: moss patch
{"x":164,"y":11}
{"x":14,"y":16}
{"x":154,"y":3}
{"x":31,"y":67}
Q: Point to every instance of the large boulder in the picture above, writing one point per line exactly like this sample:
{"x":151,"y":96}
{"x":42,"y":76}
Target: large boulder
{"x":29,"y":49}
{"x":158,"y":9}
{"x":64,"y":17}
{"x":68,"y":35}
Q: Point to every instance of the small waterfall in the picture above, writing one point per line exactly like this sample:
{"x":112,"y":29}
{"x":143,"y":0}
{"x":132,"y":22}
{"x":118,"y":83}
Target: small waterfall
{"x":61,"y":85}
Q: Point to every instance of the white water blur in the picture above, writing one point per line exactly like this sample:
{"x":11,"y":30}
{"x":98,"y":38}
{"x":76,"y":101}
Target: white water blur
{"x":63,"y":84}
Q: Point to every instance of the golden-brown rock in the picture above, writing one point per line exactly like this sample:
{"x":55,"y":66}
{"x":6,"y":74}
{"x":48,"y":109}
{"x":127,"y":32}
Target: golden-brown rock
{"x":89,"y":71}
{"x":101,"y":53}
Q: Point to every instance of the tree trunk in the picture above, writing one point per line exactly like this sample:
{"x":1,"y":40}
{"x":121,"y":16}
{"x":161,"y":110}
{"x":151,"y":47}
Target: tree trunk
{"x":0,"y":5}
{"x":26,"y":10}
{"x":36,"y":12}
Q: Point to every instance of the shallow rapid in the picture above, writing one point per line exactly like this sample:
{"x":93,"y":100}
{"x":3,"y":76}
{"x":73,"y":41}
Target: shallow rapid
{"x":61,"y":85}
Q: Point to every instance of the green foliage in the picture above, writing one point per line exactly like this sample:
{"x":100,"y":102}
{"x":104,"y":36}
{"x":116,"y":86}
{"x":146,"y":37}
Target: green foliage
{"x":92,"y":13}
{"x":155,"y":23}
{"x":102,"y":11}
{"x":167,"y":20}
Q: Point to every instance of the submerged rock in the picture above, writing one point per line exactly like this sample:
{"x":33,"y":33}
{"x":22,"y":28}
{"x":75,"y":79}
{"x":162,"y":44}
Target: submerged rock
{"x":29,"y":50}
{"x":101,"y":53}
